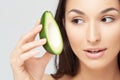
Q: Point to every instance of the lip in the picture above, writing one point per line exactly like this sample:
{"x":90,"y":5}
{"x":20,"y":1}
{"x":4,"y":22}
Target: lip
{"x":95,"y":53}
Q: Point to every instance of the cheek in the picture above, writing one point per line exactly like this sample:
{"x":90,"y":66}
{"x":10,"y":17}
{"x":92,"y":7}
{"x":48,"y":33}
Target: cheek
{"x":112,"y":38}
{"x":75,"y":36}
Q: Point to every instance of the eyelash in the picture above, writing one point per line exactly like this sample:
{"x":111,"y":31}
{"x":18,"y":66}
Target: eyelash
{"x":106,"y":19}
{"x":77,"y":21}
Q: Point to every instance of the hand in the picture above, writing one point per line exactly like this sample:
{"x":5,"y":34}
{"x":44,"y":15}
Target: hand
{"x":24,"y":65}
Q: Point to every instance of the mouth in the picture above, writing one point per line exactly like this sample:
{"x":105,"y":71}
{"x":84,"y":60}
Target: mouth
{"x":95,"y":53}
{"x":95,"y":50}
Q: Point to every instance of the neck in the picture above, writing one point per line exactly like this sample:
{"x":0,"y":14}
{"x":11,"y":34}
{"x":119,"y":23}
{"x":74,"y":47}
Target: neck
{"x":109,"y":72}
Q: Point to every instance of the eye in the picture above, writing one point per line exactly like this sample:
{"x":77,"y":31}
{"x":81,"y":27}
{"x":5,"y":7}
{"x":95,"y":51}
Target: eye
{"x":107,"y":19}
{"x":77,"y":21}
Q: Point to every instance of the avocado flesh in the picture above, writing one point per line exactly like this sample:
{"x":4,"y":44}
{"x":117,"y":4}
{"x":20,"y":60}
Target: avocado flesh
{"x":52,"y":33}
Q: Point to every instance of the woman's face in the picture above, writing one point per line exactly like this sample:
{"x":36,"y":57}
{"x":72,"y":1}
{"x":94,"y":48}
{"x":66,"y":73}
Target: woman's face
{"x":93,"y":29}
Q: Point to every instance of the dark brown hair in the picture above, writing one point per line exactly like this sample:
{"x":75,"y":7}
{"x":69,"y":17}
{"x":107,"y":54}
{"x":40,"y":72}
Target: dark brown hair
{"x":67,"y":62}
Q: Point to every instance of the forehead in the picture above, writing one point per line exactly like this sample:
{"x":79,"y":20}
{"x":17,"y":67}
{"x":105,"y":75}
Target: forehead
{"x":90,"y":5}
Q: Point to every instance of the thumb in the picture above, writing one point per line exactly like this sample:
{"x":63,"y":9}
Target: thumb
{"x":45,"y":58}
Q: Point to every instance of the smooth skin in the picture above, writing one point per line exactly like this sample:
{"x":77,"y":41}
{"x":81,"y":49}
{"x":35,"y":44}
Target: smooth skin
{"x":24,"y":65}
{"x":89,"y":24}
{"x":94,"y":24}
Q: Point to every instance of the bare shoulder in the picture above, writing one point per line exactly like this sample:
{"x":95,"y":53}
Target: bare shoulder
{"x":49,"y":77}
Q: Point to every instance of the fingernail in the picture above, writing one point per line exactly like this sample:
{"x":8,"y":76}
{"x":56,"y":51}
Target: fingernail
{"x":39,"y":26}
{"x":43,"y":40}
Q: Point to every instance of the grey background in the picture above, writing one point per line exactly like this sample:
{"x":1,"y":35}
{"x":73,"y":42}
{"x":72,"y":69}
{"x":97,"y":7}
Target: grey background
{"x":16,"y":18}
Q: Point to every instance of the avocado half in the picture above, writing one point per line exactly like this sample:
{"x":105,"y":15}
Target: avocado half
{"x":51,"y":32}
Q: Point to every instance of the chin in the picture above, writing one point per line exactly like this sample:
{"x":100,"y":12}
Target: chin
{"x":95,"y":64}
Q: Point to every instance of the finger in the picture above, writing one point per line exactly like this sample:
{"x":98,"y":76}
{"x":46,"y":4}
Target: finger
{"x":30,"y":36}
{"x":37,"y":22}
{"x":28,"y":55}
{"x":34,"y":44}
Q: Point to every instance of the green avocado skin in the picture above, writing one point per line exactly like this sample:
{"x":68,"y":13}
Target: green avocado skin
{"x":42,"y":34}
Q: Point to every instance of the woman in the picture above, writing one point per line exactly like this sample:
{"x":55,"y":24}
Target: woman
{"x":91,"y":34}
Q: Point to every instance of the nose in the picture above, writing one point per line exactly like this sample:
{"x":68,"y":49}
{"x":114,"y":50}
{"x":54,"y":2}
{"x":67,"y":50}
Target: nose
{"x":93,"y":33}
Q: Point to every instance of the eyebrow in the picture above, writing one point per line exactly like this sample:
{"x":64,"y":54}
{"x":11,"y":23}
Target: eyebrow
{"x":110,"y":9}
{"x":76,"y":11}
{"x":104,"y":11}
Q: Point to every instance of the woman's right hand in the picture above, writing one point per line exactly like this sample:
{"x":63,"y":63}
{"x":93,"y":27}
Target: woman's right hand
{"x":24,"y":65}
